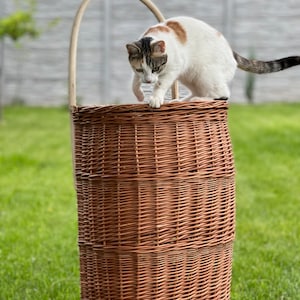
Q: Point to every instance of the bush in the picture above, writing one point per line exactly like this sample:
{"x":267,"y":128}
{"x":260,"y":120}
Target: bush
{"x":20,"y":23}
{"x":17,"y":25}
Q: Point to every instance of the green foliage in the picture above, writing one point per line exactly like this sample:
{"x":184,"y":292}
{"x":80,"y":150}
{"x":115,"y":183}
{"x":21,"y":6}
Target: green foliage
{"x":38,"y":232}
{"x":18,"y":25}
{"x":22,"y":23}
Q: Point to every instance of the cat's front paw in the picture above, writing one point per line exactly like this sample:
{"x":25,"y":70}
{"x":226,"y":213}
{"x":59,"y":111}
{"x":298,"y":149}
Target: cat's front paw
{"x":155,"y":102}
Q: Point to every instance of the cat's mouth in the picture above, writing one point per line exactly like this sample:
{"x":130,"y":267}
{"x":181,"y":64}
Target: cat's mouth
{"x":149,"y":80}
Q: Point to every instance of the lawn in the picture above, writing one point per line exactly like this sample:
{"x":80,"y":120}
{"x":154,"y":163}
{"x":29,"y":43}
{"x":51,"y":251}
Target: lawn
{"x":266,"y":142}
{"x":38,"y":207}
{"x":38,"y":230}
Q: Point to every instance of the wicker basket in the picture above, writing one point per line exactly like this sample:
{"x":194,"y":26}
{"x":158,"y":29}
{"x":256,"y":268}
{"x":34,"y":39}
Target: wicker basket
{"x":156,"y":200}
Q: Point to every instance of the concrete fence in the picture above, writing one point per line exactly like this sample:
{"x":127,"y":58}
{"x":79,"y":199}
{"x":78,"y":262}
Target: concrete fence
{"x":36,"y":72}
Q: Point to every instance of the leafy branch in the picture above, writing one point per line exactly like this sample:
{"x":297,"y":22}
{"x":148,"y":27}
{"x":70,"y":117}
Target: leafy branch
{"x":22,"y":23}
{"x":18,"y":25}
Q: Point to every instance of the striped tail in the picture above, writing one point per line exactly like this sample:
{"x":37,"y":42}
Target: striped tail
{"x":262,"y":67}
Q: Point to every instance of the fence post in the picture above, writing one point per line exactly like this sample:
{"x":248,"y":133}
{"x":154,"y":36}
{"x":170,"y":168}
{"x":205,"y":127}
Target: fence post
{"x":107,"y":51}
{"x":228,"y":15}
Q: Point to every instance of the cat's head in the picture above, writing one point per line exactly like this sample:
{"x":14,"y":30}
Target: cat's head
{"x":147,"y":58}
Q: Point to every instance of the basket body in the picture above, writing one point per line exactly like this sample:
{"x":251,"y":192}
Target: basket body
{"x":156,"y":201}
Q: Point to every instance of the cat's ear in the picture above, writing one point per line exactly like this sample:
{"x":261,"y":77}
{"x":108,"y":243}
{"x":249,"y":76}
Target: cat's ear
{"x":158,"y":48}
{"x":133,"y":49}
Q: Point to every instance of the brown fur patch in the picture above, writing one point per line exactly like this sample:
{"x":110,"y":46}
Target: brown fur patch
{"x":179,"y":30}
{"x":136,"y":63}
{"x":158,"y":28}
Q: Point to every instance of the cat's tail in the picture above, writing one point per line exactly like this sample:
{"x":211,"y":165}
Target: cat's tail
{"x":262,"y":67}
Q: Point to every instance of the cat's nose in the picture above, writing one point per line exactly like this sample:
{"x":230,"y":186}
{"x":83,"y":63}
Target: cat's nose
{"x":148,"y":81}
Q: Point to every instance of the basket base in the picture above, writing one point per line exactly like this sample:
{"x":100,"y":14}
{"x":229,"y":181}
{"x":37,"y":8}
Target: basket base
{"x":174,"y":274}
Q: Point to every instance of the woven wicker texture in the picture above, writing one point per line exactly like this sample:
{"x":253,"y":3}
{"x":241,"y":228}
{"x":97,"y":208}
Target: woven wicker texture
{"x":156,"y":201}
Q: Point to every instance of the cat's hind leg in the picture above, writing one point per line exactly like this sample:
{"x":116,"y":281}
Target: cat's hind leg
{"x":216,"y":89}
{"x":222,"y":98}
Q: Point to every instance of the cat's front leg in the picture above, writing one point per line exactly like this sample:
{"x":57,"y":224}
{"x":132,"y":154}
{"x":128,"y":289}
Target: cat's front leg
{"x":160,"y":89}
{"x":157,"y":99}
{"x":136,"y":88}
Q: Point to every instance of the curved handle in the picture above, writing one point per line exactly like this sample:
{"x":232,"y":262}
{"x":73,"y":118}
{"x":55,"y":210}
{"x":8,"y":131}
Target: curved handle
{"x":74,"y":41}
{"x":154,"y":10}
{"x":73,"y":52}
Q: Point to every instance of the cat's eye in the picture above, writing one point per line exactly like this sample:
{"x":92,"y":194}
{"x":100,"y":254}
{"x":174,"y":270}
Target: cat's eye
{"x":139,"y":70}
{"x":154,"y":70}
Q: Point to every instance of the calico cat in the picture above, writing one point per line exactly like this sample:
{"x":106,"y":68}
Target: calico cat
{"x":196,"y":54}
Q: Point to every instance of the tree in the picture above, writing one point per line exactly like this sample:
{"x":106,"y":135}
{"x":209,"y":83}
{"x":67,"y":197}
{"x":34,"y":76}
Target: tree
{"x":17,"y":25}
{"x":20,"y":23}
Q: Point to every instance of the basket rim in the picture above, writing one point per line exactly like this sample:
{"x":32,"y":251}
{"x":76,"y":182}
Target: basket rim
{"x":171,"y":106}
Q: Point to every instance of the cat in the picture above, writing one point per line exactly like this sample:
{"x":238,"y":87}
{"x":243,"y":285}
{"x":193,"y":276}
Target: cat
{"x":196,"y":54}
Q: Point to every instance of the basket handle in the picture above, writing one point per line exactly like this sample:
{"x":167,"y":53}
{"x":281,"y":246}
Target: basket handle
{"x":74,"y":42}
{"x":73,"y":52}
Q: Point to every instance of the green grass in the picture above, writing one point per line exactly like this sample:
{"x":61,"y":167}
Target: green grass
{"x":39,"y":257}
{"x":38,"y":231}
{"x":266,"y":140}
